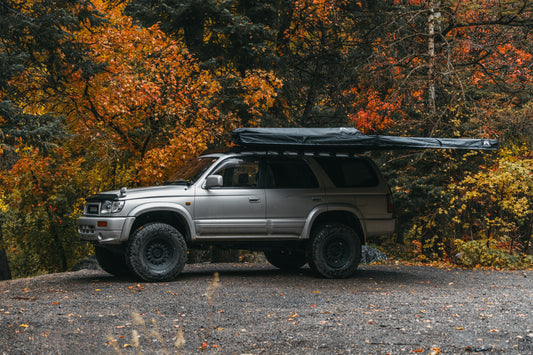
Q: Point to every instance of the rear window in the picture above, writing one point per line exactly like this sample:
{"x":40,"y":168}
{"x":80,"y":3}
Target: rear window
{"x":349,"y":172}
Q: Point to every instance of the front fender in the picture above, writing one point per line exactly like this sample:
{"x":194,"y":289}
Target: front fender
{"x":159,"y":207}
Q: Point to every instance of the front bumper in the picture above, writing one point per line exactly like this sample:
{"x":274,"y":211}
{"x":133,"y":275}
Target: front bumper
{"x":92,"y":229}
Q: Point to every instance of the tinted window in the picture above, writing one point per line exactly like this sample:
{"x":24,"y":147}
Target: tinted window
{"x":239,"y":172}
{"x":290,"y":173}
{"x":349,"y":172}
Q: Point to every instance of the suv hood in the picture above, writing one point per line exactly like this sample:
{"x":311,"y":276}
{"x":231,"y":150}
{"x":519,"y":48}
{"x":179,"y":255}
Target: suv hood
{"x":144,"y":192}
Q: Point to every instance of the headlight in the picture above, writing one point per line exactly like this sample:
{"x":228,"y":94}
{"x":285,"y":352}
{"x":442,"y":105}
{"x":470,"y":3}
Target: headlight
{"x":111,"y":207}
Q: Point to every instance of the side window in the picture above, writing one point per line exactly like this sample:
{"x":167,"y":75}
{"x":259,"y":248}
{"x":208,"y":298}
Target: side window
{"x":239,"y":173}
{"x":290,"y":173}
{"x":349,"y":172}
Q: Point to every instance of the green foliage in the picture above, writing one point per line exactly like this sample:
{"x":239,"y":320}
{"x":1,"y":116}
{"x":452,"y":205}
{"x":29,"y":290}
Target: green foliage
{"x":487,"y":253}
{"x":44,"y":201}
{"x":495,"y":204}
{"x":91,"y":100}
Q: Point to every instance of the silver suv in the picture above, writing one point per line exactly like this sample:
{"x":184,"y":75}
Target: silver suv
{"x":296,"y":207}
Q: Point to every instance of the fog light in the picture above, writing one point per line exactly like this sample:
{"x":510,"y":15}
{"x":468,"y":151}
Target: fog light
{"x":101,"y":224}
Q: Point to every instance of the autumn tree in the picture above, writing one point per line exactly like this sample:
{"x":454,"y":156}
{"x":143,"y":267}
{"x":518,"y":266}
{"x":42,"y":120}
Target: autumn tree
{"x":466,"y":67}
{"x":142,"y":109}
{"x":90,"y":103}
{"x":458,"y":57}
{"x":35,"y":36}
{"x":154,"y":107}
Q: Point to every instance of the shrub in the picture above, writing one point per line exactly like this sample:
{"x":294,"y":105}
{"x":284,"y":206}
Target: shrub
{"x":487,"y":253}
{"x":486,"y":216}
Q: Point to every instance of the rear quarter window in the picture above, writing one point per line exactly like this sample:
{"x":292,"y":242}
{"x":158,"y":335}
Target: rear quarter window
{"x":349,"y":172}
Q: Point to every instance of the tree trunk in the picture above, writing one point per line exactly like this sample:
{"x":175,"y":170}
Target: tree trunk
{"x":5,"y":272}
{"x":433,"y":15}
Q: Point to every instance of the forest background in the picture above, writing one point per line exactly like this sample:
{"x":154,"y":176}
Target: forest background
{"x":96,"y":95}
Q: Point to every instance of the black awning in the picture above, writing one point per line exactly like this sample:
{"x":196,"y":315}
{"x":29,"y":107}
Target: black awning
{"x":346,"y":139}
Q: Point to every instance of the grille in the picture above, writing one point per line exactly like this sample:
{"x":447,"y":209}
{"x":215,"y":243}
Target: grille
{"x":85,"y":229}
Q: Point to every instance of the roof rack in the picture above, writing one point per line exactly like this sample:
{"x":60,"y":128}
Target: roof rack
{"x":291,"y":149}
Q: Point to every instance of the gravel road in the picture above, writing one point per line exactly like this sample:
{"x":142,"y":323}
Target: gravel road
{"x":257,"y":309}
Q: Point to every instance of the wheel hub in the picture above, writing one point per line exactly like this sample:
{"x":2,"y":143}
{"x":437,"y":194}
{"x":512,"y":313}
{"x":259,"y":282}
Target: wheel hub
{"x":335,"y":253}
{"x":157,"y":253}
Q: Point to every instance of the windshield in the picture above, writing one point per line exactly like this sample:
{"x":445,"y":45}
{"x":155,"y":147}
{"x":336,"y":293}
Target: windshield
{"x":191,"y":171}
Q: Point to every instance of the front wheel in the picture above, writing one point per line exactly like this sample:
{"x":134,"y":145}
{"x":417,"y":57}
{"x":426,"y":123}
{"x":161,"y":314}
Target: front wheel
{"x":335,"y":251}
{"x":156,"y":252}
{"x":286,"y":259}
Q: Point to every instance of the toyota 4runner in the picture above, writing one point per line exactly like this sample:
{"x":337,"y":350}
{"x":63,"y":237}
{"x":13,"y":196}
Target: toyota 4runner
{"x":298,"y":208}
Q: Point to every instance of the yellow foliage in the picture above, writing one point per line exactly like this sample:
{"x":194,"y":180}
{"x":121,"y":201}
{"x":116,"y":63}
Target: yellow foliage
{"x":493,"y":204}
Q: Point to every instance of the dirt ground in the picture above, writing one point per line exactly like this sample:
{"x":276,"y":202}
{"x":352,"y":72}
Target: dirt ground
{"x":257,"y":309}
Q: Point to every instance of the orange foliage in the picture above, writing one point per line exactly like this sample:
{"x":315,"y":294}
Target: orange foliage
{"x":373,"y":114}
{"x":151,"y":104}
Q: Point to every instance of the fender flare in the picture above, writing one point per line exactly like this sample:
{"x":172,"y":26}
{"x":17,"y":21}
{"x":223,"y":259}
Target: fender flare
{"x":317,"y":211}
{"x":158,"y":207}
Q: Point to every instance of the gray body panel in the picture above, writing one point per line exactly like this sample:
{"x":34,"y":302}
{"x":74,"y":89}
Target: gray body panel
{"x":229,"y":212}
{"x":260,"y":213}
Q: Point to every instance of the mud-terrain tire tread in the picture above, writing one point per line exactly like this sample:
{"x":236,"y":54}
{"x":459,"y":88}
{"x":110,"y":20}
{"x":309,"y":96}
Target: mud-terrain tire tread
{"x":334,"y":251}
{"x":156,"y":252}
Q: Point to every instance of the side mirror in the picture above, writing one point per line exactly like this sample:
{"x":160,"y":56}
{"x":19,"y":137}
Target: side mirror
{"x":214,"y":181}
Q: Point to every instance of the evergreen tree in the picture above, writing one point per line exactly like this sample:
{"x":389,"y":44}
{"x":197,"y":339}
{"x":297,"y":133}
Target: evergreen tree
{"x":35,"y":37}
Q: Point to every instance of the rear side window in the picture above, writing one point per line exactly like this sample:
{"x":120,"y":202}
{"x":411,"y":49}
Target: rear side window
{"x":349,"y":172}
{"x":290,"y":173}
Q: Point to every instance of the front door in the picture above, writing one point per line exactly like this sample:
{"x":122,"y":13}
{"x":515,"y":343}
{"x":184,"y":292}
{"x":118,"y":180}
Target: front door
{"x":235,"y":209}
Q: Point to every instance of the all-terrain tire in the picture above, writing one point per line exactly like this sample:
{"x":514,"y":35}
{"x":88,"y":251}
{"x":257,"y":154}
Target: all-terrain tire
{"x":111,"y":261}
{"x":156,"y":252}
{"x":334,"y":251}
{"x":286,"y":259}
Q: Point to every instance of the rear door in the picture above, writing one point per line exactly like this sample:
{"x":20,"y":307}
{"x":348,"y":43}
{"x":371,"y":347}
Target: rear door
{"x":292,"y":191}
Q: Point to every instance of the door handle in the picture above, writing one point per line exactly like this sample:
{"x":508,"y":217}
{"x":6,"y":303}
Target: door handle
{"x":316,"y":199}
{"x":254,"y":200}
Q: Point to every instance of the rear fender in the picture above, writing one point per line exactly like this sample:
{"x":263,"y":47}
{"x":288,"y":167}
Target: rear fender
{"x":320,"y":210}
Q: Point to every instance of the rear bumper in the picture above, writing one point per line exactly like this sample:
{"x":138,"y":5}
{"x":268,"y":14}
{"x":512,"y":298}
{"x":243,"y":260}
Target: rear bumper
{"x":378,"y":227}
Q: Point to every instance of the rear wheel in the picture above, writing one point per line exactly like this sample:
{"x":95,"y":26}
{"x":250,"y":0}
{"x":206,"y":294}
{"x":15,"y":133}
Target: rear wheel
{"x":335,"y":251}
{"x":286,"y":259}
{"x":111,"y":261}
{"x":156,"y":252}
